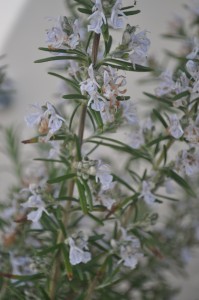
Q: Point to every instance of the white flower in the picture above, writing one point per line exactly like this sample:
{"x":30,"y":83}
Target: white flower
{"x":35,"y":117}
{"x":34,"y":201}
{"x":117,"y":15}
{"x":129,"y":248}
{"x":103,"y":175}
{"x":182,"y":83}
{"x":169,"y":187}
{"x":194,"y":53}
{"x":21,"y":265}
{"x":105,"y":198}
{"x":55,"y":150}
{"x":137,"y":139}
{"x":191,"y":133}
{"x":140,"y":45}
{"x":149,"y":198}
{"x":89,"y":85}
{"x":46,"y":118}
{"x":55,"y":37}
{"x":175,"y":128}
{"x":193,"y":68}
{"x":78,"y":249}
{"x":129,"y":112}
{"x":188,"y":162}
{"x":55,"y":121}
{"x":176,"y":24}
{"x":166,"y":86}
{"x":73,"y":39}
{"x":194,"y":8}
{"x":97,"y":18}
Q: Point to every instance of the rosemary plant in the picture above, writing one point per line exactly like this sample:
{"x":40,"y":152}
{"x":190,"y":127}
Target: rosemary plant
{"x":83,"y":223}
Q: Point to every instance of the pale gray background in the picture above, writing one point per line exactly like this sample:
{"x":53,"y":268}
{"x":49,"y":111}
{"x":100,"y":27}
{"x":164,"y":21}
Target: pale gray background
{"x":22,"y":31}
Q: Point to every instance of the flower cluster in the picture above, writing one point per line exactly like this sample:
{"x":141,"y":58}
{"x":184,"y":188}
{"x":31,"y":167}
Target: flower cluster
{"x":104,"y":98}
{"x":65,"y":34}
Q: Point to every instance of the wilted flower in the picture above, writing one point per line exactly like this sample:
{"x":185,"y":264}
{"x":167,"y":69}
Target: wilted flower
{"x":188,"y":162}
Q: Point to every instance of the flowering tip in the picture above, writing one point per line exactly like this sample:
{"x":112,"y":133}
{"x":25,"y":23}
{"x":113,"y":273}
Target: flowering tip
{"x":70,"y":276}
{"x":10,"y":239}
{"x":156,"y":252}
{"x":31,"y":141}
{"x":21,"y":219}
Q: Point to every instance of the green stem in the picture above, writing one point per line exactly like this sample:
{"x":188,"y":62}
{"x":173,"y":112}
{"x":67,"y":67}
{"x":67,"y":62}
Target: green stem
{"x":66,"y":217}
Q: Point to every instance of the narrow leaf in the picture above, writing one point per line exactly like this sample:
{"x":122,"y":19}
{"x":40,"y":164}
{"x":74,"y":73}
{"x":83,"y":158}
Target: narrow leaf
{"x":161,"y":119}
{"x":74,"y":97}
{"x":179,"y":180}
{"x":131,"y":13}
{"x":52,"y":58}
{"x":69,"y":81}
{"x":61,"y":178}
{"x":82,"y":196}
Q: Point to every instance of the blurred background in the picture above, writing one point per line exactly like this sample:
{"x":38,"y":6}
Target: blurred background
{"x":22,"y":31}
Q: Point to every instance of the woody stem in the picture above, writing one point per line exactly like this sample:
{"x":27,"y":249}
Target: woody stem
{"x":57,"y":261}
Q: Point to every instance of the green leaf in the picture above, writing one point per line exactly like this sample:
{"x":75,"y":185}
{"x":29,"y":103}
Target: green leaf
{"x":164,"y":100}
{"x":160,"y":118}
{"x":127,"y":7}
{"x":123,"y":98}
{"x":131,"y":13}
{"x":69,"y":81}
{"x":124,"y":65}
{"x":179,"y":180}
{"x":85,"y":11}
{"x":60,"y":58}
{"x":120,"y":147}
{"x":166,"y":197}
{"x":67,"y":264}
{"x":91,"y":118}
{"x":121,"y":181}
{"x":61,"y":178}
{"x":88,"y":194}
{"x":78,"y":148}
{"x":82,"y":196}
{"x":108,"y":45}
{"x":65,"y":198}
{"x":44,"y":294}
{"x":181,"y":95}
{"x":157,"y":140}
{"x":97,"y":220}
{"x":74,"y":97}
{"x":73,"y":115}
{"x":66,"y":51}
{"x":47,"y":250}
{"x":165,"y":153}
{"x":49,"y":160}
{"x":23,"y":277}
